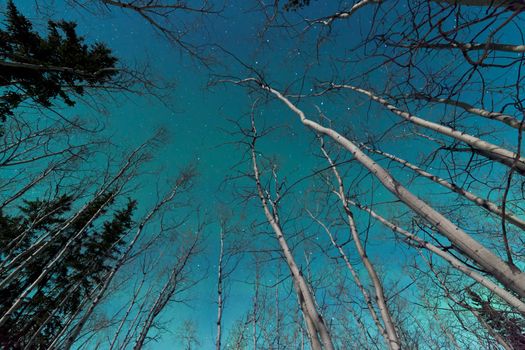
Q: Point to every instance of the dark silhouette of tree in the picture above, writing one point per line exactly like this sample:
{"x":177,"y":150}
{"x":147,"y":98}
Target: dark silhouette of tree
{"x":510,"y":327}
{"x":64,"y":290}
{"x":296,"y":4}
{"x":42,"y":69}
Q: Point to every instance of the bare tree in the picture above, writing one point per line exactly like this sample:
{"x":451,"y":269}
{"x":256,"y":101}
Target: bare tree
{"x":507,"y":275}
{"x":389,"y":331}
{"x":180,"y":279}
{"x":317,"y":329}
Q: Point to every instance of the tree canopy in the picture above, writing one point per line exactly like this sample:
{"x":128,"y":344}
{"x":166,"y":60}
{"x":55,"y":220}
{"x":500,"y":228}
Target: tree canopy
{"x":43,"y":68}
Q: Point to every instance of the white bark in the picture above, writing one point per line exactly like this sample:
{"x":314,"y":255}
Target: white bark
{"x":165,"y":295}
{"x":31,"y":184}
{"x":48,"y":68}
{"x":304,"y":294}
{"x":255,"y":314}
{"x":347,"y":13}
{"x":50,"y":265}
{"x":485,"y":148}
{"x":128,"y":311}
{"x":357,"y":280}
{"x":36,"y":333}
{"x":219,"y":292}
{"x":504,"y":118}
{"x":128,"y":337}
{"x":73,"y":334}
{"x":484,"y":203}
{"x":41,"y":243}
{"x":311,"y":330}
{"x":59,"y":337}
{"x":483,"y":3}
{"x":509,"y":298}
{"x":489,"y":46}
{"x":391,"y":334}
{"x":510,"y":277}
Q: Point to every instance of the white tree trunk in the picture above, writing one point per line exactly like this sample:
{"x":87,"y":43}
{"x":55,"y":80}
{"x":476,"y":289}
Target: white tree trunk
{"x":128,"y":311}
{"x":392,"y":339}
{"x":485,"y":148}
{"x":484,"y":203}
{"x":357,"y":280}
{"x":491,"y":3}
{"x":510,"y":277}
{"x":309,"y":304}
{"x":41,"y":242}
{"x":51,"y":264}
{"x":509,"y":298}
{"x":219,"y":292}
{"x":501,"y":117}
{"x":73,"y":334}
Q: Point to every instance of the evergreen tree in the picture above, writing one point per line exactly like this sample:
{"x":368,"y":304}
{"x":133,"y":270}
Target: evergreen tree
{"x":41,"y":69}
{"x":296,"y":4}
{"x":62,"y":292}
{"x":510,"y":327}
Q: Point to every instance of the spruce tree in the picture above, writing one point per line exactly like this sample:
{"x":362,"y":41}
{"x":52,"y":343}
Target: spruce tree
{"x":507,"y":325}
{"x":41,"y":69}
{"x":62,"y":292}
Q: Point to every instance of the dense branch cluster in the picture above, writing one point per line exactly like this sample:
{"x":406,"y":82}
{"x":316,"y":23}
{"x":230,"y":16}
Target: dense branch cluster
{"x":400,"y":227}
{"x":41,"y":69}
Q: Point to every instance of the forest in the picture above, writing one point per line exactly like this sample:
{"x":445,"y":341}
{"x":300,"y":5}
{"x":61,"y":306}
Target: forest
{"x":262,"y":174}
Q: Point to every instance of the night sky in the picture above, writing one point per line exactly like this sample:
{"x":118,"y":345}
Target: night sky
{"x":199,"y":113}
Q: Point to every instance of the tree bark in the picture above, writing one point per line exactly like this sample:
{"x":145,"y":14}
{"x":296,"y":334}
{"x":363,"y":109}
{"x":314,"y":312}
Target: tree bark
{"x":487,"y":149}
{"x":219,"y":292}
{"x":414,"y":240}
{"x":511,"y":277}
{"x":501,"y":117}
{"x":481,"y":202}
{"x":73,"y":334}
{"x":392,"y":338}
{"x":311,"y":315}
{"x":483,"y":3}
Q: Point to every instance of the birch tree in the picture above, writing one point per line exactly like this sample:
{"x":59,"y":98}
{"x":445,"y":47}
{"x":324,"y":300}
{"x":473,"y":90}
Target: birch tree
{"x":318,"y":332}
{"x":509,"y":276}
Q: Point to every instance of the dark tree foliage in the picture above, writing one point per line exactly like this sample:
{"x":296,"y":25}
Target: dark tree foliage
{"x":296,"y":4}
{"x":64,"y":289}
{"x":41,"y":69}
{"x":510,"y":328}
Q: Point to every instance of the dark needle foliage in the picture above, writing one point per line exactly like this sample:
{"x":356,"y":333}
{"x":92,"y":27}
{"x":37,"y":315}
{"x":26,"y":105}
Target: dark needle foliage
{"x":510,"y":327}
{"x":41,"y":69}
{"x":62,"y":292}
{"x":296,"y":4}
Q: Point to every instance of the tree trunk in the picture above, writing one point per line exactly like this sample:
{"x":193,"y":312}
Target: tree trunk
{"x":511,"y":277}
{"x":508,"y":297}
{"x":481,"y":202}
{"x":391,"y":334}
{"x":305,"y":295}
{"x":487,"y":149}
{"x":219,"y":292}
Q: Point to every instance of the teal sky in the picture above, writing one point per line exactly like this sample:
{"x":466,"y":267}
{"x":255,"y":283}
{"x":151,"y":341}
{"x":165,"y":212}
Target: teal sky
{"x":197,"y":116}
